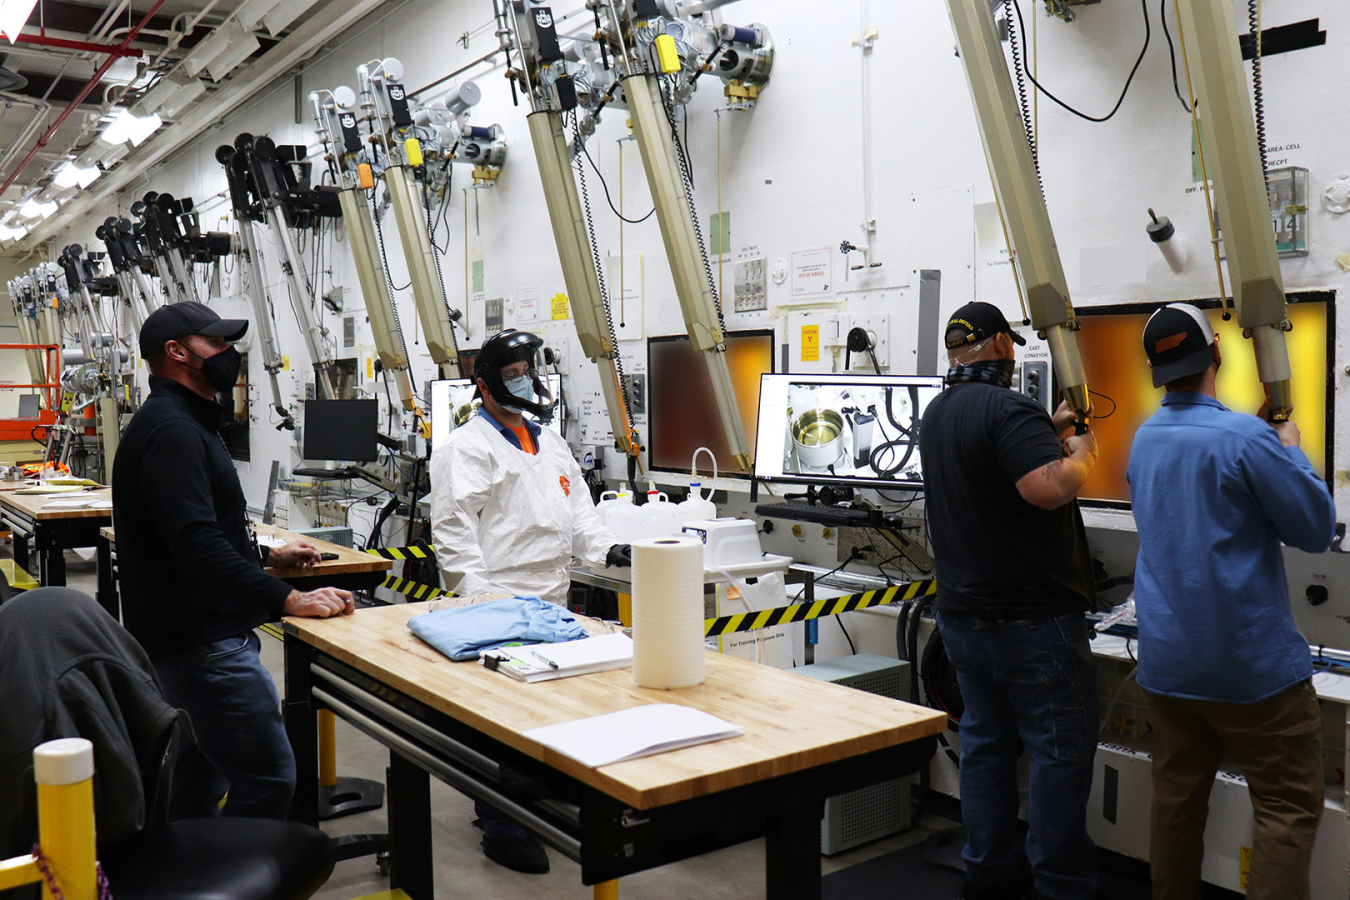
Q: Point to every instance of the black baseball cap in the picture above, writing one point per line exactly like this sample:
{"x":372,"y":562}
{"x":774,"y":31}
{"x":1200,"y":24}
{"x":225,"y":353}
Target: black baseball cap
{"x":976,"y":321}
{"x":176,"y":321}
{"x":1179,"y":342}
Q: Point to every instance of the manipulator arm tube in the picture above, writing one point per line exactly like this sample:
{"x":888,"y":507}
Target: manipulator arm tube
{"x":1019,"y":194}
{"x":1230,"y":148}
{"x":574,"y":252}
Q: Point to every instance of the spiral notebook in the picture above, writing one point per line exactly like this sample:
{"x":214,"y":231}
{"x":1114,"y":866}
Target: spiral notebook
{"x":544,"y":662}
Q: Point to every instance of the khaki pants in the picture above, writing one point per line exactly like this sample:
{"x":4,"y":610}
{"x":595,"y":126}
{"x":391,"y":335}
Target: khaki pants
{"x":1277,"y":745}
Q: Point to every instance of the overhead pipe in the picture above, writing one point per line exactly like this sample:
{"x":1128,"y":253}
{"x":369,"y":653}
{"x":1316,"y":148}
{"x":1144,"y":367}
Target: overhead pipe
{"x":43,"y":40}
{"x":79,"y":98}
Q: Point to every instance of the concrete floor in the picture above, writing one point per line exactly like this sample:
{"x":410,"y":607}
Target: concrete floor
{"x":462,"y":872}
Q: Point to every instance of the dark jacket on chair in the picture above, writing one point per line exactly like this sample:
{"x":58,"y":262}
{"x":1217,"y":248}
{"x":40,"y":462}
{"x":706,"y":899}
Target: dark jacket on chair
{"x":69,"y":670}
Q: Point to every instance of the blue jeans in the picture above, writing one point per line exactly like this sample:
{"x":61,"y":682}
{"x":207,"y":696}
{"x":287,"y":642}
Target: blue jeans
{"x":1031,"y":680}
{"x":236,"y":717}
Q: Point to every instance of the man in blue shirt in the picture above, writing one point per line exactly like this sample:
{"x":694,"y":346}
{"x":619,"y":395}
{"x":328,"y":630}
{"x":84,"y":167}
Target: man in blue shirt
{"x":1229,"y":676}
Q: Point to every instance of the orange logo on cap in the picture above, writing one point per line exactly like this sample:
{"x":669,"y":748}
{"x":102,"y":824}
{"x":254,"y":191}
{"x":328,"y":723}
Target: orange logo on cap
{"x":566,"y":485}
{"x":1168,"y":343}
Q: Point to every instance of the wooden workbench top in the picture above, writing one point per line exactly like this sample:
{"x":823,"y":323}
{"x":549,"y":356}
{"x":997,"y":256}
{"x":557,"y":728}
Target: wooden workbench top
{"x":791,"y":722}
{"x":349,"y":561}
{"x":32,"y":505}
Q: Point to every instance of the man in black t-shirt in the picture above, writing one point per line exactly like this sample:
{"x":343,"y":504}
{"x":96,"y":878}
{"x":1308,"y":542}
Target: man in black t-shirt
{"x":1014,"y":579}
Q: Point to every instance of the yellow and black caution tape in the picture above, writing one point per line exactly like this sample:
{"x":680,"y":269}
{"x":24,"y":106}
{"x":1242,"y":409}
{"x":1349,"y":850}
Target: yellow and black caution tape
{"x":396,"y":553}
{"x":801,"y":612}
{"x":273,"y":629}
{"x":414,"y":590}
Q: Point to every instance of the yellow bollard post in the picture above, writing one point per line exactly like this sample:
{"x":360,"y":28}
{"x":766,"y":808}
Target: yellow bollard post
{"x":607,"y":890}
{"x":65,"y":783}
{"x":327,"y":748}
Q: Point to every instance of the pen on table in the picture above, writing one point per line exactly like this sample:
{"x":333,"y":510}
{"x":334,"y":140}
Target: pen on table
{"x":544,"y":659}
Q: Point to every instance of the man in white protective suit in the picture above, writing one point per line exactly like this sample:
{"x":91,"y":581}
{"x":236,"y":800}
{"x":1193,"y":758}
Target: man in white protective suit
{"x":510,"y":509}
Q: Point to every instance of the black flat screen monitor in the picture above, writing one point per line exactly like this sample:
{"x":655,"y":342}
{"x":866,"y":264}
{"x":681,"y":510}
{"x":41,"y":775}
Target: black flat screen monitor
{"x":859,"y":430}
{"x":341,"y":430}
{"x":682,"y":414}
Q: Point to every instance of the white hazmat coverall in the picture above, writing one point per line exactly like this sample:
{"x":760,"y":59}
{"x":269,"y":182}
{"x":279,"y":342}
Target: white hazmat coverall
{"x":506,"y":521}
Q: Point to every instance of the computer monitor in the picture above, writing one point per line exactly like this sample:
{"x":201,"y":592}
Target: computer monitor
{"x":682,"y":412}
{"x":1110,"y":339}
{"x":341,"y":430}
{"x":859,"y":430}
{"x":452,"y":404}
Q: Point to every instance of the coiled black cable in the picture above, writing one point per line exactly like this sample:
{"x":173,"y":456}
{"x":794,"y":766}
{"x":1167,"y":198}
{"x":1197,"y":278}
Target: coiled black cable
{"x":1019,"y":82}
{"x":686,"y":176}
{"x":600,"y":273}
{"x":1258,"y":98}
{"x":389,"y":282}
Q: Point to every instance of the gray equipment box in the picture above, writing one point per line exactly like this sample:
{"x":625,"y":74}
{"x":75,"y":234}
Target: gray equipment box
{"x":333,"y":534}
{"x":882,"y":809}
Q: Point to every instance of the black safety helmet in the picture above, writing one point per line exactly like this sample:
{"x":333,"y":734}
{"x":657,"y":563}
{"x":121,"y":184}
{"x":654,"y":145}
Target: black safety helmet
{"x":506,"y":348}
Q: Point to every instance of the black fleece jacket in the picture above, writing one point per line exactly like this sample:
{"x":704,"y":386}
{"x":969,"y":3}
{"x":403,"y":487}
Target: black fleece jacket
{"x":190,"y":573}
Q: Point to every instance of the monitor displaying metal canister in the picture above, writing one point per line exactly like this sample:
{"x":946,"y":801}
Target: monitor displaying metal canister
{"x":861,"y":430}
{"x":453,"y":403}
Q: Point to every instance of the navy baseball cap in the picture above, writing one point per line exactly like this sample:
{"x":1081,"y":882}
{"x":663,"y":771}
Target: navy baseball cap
{"x":976,"y":321}
{"x":176,"y":321}
{"x":1179,"y":342}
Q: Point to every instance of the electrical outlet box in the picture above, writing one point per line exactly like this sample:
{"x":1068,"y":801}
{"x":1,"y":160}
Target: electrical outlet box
{"x":750,"y":278}
{"x":878,"y":327}
{"x":881,"y":548}
{"x":492,"y":315}
{"x":1035,"y":383}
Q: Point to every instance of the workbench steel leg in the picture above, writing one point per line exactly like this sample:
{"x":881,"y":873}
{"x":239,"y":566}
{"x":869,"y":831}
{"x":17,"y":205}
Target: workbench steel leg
{"x":21,"y":553}
{"x":409,"y":801}
{"x":302,"y":728}
{"x":107,"y":584}
{"x":792,"y":855}
{"x":53,"y":557}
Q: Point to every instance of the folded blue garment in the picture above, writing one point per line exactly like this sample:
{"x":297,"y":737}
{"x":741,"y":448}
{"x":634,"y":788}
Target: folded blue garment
{"x":465,"y":632}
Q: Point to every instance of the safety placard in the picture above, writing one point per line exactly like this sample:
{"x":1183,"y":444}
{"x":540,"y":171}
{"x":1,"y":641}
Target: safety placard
{"x":810,"y":343}
{"x":811,"y":272}
{"x":559,"y":308}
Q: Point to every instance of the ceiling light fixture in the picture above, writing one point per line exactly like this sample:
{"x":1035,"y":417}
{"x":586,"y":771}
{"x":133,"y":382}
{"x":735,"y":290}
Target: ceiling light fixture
{"x":220,"y":52}
{"x":13,"y":16}
{"x":129,"y":127}
{"x":70,"y":175}
{"x":35,"y":210}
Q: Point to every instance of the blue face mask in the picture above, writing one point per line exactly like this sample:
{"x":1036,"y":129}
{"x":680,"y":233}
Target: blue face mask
{"x":522,"y":387}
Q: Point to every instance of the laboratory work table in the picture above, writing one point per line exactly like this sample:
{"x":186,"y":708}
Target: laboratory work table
{"x":352,"y":570}
{"x":44,"y":531}
{"x":804,"y":741}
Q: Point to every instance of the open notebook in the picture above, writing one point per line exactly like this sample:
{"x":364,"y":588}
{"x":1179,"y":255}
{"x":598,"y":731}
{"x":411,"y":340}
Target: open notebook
{"x":633,"y":733}
{"x":542,"y":662}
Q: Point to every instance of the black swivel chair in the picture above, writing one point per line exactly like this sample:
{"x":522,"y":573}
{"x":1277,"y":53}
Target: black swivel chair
{"x":70,"y":670}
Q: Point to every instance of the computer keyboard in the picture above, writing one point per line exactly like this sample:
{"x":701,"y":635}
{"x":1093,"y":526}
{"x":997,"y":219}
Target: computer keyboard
{"x":820,"y":514}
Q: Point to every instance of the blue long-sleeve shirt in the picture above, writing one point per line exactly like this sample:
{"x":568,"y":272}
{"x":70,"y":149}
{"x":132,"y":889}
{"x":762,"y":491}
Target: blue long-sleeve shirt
{"x":1214,"y":495}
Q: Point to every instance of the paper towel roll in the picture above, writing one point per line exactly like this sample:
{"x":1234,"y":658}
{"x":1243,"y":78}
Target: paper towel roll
{"x":668,"y":612}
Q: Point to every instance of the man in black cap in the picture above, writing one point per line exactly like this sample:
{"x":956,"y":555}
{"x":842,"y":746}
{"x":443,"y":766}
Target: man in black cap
{"x":192,"y":579}
{"x":1228,"y":675}
{"x":1014,"y":580}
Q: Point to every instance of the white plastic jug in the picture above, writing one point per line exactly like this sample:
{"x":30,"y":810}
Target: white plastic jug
{"x":609,"y":502}
{"x":661,"y":517}
{"x":627,"y":521}
{"x":696,"y":507}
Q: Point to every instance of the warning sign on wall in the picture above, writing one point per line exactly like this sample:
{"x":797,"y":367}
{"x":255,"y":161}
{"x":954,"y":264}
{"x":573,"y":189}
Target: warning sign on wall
{"x":810,"y":343}
{"x":811,"y":272}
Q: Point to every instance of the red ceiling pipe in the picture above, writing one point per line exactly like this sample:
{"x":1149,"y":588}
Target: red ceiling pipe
{"x":43,"y":40}
{"x":79,"y":98}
